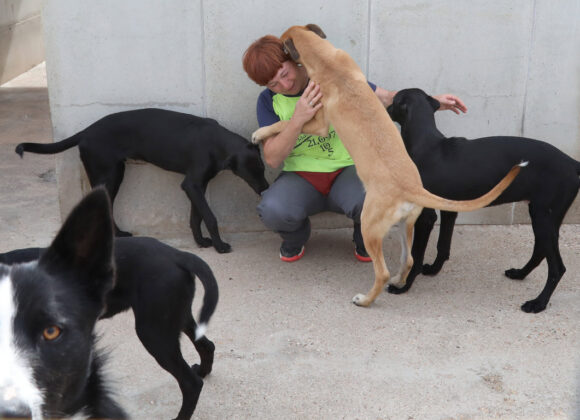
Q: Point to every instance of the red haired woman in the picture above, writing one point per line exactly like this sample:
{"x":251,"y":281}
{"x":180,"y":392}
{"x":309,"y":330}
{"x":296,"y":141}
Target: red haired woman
{"x":318,"y":174}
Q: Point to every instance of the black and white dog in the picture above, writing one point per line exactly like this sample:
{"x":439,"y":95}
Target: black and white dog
{"x":461,"y":169}
{"x":196,"y":147}
{"x":156,"y":281}
{"x":48,"y":311}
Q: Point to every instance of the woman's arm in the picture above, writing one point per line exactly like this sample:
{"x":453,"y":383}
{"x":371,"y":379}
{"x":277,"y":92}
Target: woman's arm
{"x":278,"y":147}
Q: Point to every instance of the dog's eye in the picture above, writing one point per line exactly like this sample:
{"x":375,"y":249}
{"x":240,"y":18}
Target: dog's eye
{"x":51,"y":333}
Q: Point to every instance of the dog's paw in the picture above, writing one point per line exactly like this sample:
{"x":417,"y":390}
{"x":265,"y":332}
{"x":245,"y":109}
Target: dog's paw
{"x":534,"y":306}
{"x":360,"y":300}
{"x":396,"y":281}
{"x":204,"y":242}
{"x":202,"y":373}
{"x":223,"y":248}
{"x":258,"y":136}
{"x":394,"y":290}
{"x":515,"y":274}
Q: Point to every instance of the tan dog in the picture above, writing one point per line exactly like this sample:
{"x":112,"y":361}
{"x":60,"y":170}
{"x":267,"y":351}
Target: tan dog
{"x":394,"y":190}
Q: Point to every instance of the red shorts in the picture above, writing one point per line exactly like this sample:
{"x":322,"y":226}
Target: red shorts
{"x":322,"y":181}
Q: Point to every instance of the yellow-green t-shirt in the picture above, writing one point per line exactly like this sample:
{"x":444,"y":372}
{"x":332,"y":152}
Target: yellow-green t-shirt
{"x":311,"y":153}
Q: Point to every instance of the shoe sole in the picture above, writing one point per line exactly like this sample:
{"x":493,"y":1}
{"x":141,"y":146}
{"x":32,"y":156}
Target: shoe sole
{"x":294,"y":258}
{"x":361,"y":258}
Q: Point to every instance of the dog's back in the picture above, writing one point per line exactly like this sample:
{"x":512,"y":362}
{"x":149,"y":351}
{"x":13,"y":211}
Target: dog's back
{"x":48,"y":310}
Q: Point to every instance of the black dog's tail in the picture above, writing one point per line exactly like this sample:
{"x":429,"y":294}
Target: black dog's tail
{"x":49,"y":148}
{"x":198,"y":267}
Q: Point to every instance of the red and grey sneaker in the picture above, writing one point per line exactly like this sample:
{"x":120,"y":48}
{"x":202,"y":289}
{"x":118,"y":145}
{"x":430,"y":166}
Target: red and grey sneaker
{"x":361,"y":254}
{"x":290,"y":254}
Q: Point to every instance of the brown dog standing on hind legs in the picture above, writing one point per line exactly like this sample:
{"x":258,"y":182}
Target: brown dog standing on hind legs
{"x":392,"y":182}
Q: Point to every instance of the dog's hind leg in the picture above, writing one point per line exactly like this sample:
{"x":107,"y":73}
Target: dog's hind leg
{"x":163,"y":344}
{"x":102,"y":172}
{"x":205,"y":348}
{"x":538,"y":254}
{"x":375,"y":223}
{"x":423,"y":227}
{"x":546,"y":224}
{"x":400,"y":280}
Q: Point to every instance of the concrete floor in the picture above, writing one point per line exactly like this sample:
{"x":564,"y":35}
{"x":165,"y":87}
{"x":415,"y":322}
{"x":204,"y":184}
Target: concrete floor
{"x":290,"y":345}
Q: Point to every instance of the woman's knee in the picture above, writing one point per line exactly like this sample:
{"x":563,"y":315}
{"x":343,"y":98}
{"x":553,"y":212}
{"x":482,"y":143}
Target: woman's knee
{"x":277,"y":216}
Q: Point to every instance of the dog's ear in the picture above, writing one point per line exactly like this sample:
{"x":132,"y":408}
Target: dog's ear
{"x":291,"y":50}
{"x":316,"y":29}
{"x":433,"y":102}
{"x":84,"y":245}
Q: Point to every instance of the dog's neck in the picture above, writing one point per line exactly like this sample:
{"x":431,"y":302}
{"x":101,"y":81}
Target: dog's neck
{"x":417,"y":132}
{"x":321,"y":56}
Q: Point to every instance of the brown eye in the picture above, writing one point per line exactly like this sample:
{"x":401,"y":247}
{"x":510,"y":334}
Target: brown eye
{"x":51,"y":333}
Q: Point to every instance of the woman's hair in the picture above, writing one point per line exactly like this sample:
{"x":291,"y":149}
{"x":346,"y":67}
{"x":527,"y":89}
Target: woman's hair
{"x":263,"y":59}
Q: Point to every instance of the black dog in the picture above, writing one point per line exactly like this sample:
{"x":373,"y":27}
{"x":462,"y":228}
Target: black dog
{"x":48,"y":310}
{"x":197,"y":147}
{"x":462,"y":169}
{"x":156,"y":281}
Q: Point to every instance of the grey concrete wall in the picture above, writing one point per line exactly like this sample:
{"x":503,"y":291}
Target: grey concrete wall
{"x":21,"y":45}
{"x":515,"y":64}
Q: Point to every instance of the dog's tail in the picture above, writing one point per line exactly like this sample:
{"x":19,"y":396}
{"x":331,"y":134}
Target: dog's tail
{"x":198,"y":267}
{"x":426,"y":199}
{"x":49,"y":148}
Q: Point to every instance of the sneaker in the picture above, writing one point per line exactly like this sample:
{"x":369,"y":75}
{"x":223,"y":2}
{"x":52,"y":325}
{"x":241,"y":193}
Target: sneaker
{"x":360,"y":252}
{"x":289,"y":254}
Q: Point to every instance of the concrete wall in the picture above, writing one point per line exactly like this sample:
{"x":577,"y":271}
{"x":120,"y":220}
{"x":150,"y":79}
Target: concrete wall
{"x":515,"y":64}
{"x":21,"y":46}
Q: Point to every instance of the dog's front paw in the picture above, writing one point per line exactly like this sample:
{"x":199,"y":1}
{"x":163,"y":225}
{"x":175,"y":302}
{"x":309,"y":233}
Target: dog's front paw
{"x":360,"y":300}
{"x":258,"y":136}
{"x":204,"y":242}
{"x":223,"y":248}
{"x":394,"y":290}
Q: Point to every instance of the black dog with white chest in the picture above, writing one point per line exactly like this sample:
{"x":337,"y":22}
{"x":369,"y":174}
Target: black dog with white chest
{"x":157,"y":282}
{"x":462,"y":169}
{"x":196,"y":147}
{"x":48,"y":311}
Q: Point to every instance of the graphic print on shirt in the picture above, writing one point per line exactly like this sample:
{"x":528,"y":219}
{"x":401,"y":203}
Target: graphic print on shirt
{"x":323,"y":143}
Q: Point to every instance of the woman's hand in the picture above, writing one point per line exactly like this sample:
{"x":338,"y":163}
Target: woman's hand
{"x":450,"y":102}
{"x":308,"y":104}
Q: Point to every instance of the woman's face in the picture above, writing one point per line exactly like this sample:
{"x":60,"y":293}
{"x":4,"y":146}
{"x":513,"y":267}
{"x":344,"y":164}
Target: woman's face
{"x":289,"y":80}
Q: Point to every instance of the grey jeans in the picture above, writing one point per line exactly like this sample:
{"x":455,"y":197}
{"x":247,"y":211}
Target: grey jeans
{"x":286,"y":206}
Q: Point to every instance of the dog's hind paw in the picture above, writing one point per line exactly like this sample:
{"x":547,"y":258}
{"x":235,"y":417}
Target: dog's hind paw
{"x":534,"y":306}
{"x":396,"y":281}
{"x":515,"y":274}
{"x":202,"y":373}
{"x":394,"y":290}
